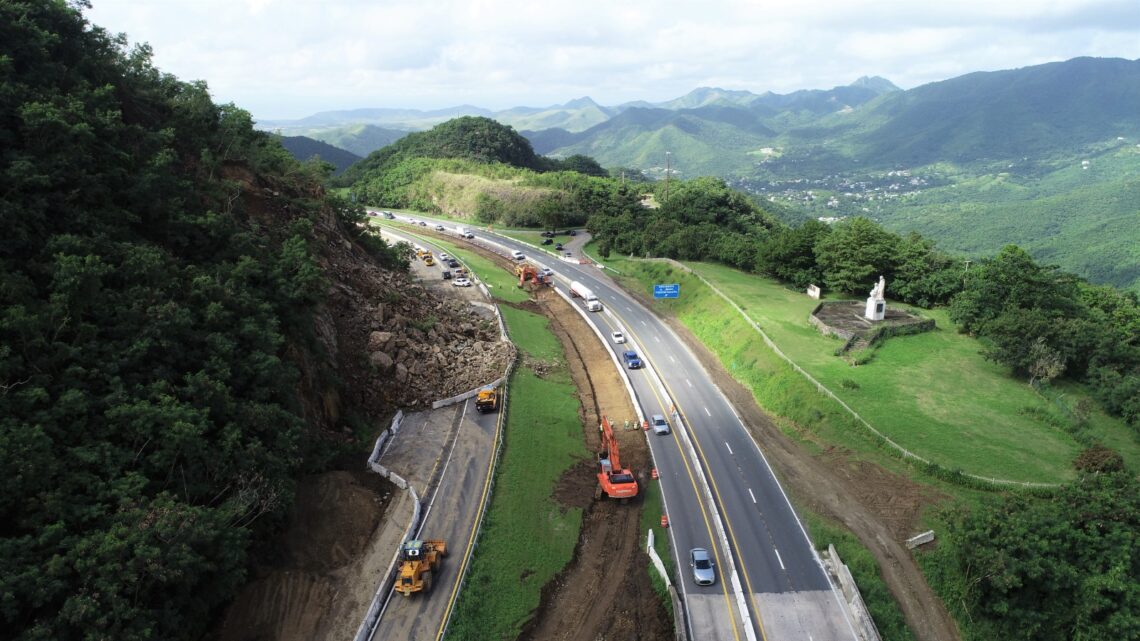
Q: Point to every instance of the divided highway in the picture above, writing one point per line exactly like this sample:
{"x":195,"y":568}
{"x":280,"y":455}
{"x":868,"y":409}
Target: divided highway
{"x":719,"y":491}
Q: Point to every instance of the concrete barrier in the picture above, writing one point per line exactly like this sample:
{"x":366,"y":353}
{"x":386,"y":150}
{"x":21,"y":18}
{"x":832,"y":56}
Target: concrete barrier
{"x":920,"y":539}
{"x":864,"y":624}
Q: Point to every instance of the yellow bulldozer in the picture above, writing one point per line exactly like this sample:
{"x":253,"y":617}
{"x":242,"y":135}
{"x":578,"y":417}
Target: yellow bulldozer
{"x":487,"y":400}
{"x":418,"y":560}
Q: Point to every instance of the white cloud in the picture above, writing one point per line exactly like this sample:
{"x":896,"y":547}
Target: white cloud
{"x":289,"y":58}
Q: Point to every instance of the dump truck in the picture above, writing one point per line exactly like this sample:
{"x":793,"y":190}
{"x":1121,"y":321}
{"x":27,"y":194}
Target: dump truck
{"x":487,"y":400}
{"x":418,"y":560}
{"x":578,"y":290}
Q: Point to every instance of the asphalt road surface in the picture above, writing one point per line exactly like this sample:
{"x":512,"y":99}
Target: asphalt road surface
{"x":739,"y":511}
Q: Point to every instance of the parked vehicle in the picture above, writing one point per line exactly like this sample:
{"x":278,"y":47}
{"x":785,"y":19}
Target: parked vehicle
{"x":461,"y":282}
{"x":578,"y":290}
{"x":613,"y":480}
{"x":439,"y":227}
{"x":704,"y":570}
{"x":547,"y":241}
{"x":446,"y":275}
{"x":558,"y":246}
{"x":452,"y":263}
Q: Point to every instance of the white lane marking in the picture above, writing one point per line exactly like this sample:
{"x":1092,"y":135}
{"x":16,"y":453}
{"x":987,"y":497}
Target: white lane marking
{"x":690,"y":383}
{"x":629,"y":308}
{"x":671,"y":359}
{"x":752,"y":495}
{"x":729,"y":448}
{"x":659,"y":340}
{"x":643,"y":323}
{"x":708,"y":412}
{"x":780,"y":560}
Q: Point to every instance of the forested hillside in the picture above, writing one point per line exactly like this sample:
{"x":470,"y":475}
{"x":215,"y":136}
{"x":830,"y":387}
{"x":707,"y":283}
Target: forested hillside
{"x":304,"y":149}
{"x":163,"y":376}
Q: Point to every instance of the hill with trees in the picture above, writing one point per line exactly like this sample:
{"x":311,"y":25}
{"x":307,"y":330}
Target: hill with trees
{"x":304,"y":148}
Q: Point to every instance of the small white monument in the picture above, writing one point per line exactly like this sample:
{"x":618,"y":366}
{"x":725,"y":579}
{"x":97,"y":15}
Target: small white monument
{"x":876,"y":303}
{"x":813,"y":291}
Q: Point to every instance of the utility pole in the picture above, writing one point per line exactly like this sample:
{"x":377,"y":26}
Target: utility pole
{"x":666,"y":176}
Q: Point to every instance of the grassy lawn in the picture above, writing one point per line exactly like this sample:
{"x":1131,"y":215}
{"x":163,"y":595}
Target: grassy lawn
{"x":527,"y":538}
{"x":932,"y":393}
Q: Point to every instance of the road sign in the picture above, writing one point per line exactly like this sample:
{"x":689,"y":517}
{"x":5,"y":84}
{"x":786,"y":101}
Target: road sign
{"x":672,"y":290}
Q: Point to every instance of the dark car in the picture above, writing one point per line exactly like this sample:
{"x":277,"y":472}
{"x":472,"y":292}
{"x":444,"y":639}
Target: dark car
{"x":572,"y":232}
{"x":558,"y":246}
{"x":423,"y":224}
{"x":446,"y":275}
{"x":547,"y":234}
{"x":704,"y":570}
{"x":453,"y":263}
{"x":631,"y":359}
{"x":547,"y":241}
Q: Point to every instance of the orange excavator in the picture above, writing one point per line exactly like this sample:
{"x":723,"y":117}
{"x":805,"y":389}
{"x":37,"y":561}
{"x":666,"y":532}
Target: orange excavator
{"x":528,"y":273}
{"x":614,"y":480}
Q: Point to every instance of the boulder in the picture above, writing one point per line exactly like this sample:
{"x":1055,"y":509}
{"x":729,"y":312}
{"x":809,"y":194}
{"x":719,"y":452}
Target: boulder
{"x":381,"y":360}
{"x":378,"y":340}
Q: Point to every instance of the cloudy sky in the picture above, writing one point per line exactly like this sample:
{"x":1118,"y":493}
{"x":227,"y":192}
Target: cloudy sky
{"x":291,"y":58}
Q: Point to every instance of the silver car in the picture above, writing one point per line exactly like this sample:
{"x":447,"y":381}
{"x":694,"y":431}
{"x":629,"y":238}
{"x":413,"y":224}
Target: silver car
{"x":704,"y":570}
{"x":660,"y":425}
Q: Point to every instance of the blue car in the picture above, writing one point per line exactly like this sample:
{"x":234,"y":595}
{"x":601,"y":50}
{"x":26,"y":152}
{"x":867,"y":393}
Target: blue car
{"x":631,"y":359}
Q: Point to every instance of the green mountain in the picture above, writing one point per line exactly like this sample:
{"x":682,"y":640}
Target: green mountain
{"x":304,"y":148}
{"x":358,"y":139}
{"x":1045,"y":109}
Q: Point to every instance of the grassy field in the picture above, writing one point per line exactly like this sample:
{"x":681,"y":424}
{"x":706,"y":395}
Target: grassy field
{"x":527,"y":538}
{"x":932,"y":393}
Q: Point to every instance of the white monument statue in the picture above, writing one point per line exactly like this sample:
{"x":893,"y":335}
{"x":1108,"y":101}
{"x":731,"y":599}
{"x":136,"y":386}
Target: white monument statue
{"x":876,"y":302}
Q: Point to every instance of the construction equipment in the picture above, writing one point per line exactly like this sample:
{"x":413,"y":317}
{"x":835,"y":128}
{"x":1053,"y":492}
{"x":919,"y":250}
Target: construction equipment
{"x":487,"y":400}
{"x":428,"y":260}
{"x":614,"y":480}
{"x":528,"y":273}
{"x":418,"y":559}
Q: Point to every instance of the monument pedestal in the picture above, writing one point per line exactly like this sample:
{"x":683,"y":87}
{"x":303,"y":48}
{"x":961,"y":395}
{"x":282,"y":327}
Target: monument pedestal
{"x":876,"y":309}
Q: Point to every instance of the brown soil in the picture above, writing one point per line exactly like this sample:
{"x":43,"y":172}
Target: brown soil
{"x":333,"y":519}
{"x":880,"y":507}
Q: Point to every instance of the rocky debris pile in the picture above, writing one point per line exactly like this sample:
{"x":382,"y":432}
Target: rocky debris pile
{"x":395,"y":342}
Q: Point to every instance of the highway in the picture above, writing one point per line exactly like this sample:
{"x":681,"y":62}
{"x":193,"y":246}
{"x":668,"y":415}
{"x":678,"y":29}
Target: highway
{"x":719,"y":491}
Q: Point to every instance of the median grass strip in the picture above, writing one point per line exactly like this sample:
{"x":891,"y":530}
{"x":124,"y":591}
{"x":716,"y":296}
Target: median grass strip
{"x":527,"y":538}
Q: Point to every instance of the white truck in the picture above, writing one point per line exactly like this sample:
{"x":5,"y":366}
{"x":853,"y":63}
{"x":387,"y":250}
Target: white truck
{"x":464,"y":232}
{"x":578,"y":290}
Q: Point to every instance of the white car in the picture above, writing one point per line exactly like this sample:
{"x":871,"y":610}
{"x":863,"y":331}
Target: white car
{"x":660,"y":425}
{"x":461,"y":282}
{"x":518,"y":255}
{"x":618,"y":336}
{"x":548,"y":272}
{"x":445,"y":256}
{"x":439,"y":227}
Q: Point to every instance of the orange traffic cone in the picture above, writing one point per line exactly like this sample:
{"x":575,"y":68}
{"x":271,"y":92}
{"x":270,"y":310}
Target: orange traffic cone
{"x":664,"y":521}
{"x":653,"y":473}
{"x":645,"y":426}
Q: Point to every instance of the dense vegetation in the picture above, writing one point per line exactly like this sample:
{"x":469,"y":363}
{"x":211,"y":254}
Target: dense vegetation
{"x":150,"y":424}
{"x":1066,"y":568}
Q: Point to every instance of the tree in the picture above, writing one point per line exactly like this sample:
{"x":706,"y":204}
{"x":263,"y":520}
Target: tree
{"x":855,"y":254}
{"x":1056,"y":569}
